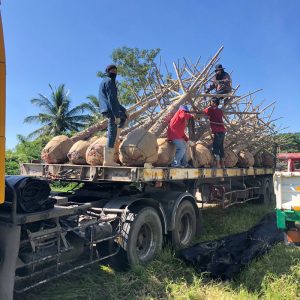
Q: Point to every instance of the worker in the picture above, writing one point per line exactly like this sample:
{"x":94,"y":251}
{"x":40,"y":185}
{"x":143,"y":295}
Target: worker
{"x":215,"y":115}
{"x":221,"y":82}
{"x":176,"y":134}
{"x":112,"y":110}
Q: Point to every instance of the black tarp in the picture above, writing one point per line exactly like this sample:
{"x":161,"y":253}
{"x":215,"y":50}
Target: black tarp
{"x":32,"y":193}
{"x":224,"y":258}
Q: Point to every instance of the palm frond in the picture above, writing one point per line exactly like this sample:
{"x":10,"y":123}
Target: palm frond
{"x":45,"y":130}
{"x":76,"y":110}
{"x":31,"y":119}
{"x":40,"y":118}
{"x":94,"y":100}
{"x":43,"y":102}
{"x":22,"y":138}
{"x":79,"y":118}
{"x":76,"y":126}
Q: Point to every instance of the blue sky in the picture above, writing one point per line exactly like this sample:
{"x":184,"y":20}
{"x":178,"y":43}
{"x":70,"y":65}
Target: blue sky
{"x":68,"y":41}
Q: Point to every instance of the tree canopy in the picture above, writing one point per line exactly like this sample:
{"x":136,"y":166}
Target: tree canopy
{"x":290,"y":142}
{"x":57,"y":116}
{"x":133,"y":65}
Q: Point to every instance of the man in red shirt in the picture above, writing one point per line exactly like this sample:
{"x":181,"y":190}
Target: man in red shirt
{"x":176,"y":134}
{"x":218,"y":129}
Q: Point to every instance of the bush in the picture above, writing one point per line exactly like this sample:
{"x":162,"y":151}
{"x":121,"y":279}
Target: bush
{"x":25,"y":151}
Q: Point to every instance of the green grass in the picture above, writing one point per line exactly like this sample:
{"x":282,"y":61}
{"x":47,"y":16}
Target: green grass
{"x":276,"y":275}
{"x":58,"y":186}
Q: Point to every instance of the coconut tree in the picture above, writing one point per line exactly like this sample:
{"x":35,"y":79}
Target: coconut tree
{"x":57,"y":116}
{"x":93,"y":108}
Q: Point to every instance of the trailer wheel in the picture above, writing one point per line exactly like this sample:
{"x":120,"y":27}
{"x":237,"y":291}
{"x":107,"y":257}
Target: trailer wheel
{"x":142,"y":236}
{"x":185,"y":225}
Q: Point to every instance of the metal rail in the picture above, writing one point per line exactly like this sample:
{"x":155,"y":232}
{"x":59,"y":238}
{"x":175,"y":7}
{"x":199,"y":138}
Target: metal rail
{"x":244,"y":192}
{"x":22,"y":290}
{"x":84,"y":173}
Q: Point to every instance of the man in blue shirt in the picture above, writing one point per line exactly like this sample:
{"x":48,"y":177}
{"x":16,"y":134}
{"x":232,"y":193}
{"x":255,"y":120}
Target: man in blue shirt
{"x":113,"y":111}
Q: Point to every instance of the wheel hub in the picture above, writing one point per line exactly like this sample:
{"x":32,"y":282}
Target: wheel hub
{"x":144,"y":241}
{"x":184,"y":228}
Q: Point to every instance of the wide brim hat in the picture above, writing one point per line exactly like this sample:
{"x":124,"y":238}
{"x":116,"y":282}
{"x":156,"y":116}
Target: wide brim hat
{"x":219,"y":67}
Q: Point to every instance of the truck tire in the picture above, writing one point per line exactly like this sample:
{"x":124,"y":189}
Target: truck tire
{"x":185,"y":227}
{"x":142,"y":236}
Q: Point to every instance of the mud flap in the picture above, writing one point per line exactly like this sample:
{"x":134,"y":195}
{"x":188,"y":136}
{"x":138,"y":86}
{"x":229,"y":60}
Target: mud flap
{"x":9,"y":248}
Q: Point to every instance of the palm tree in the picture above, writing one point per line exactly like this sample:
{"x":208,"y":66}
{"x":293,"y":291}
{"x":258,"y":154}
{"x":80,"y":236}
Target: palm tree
{"x":93,"y":107}
{"x":57,"y":117}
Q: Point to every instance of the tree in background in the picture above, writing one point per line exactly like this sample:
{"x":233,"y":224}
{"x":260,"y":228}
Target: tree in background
{"x":25,"y":151}
{"x":133,"y":66}
{"x":92,"y":107}
{"x":289,"y":142}
{"x":56,"y":117}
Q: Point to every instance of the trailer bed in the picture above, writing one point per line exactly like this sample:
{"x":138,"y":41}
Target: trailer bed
{"x":85,"y":173}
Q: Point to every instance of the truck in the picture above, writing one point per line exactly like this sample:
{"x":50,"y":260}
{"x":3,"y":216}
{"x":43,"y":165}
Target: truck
{"x":122,"y":212}
{"x":128,"y":210}
{"x":287,"y":191}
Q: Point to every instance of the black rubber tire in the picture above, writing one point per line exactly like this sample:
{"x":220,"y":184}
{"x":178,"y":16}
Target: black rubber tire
{"x":185,"y":225}
{"x":142,"y":236}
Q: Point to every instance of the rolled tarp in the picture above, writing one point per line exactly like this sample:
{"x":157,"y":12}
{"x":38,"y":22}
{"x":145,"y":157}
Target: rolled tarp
{"x":32,"y":194}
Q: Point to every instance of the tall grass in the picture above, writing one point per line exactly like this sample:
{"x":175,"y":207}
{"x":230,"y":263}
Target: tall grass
{"x":274,"y":276}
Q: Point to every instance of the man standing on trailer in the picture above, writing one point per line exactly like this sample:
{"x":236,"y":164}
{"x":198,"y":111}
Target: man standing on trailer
{"x":113,"y":111}
{"x":215,"y":115}
{"x":176,"y":134}
{"x":221,"y":82}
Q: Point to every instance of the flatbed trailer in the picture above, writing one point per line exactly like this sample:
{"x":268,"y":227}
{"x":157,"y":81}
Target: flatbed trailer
{"x":115,"y":212}
{"x":224,"y":185}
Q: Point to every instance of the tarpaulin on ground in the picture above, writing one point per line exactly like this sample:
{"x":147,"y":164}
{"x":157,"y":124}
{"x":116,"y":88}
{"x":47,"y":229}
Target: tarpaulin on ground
{"x":32,"y":193}
{"x":224,"y":258}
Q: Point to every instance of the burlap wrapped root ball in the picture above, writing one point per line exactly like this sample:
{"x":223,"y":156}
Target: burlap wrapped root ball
{"x":94,"y":153}
{"x":203,"y":156}
{"x":267,"y":159}
{"x":77,"y":153}
{"x":55,"y":152}
{"x":231,"y":158}
{"x":166,"y":153}
{"x":258,"y":162}
{"x":246,"y":159}
{"x":138,"y":147}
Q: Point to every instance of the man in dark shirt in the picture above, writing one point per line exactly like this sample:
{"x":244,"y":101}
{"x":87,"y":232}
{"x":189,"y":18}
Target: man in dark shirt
{"x":221,"y":82}
{"x":113,"y":111}
{"x":215,"y":115}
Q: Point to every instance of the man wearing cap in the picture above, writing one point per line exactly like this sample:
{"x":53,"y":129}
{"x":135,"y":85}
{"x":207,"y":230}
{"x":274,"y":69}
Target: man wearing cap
{"x":221,"y":82}
{"x":176,"y":134}
{"x":216,"y":116}
{"x":113,"y":111}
